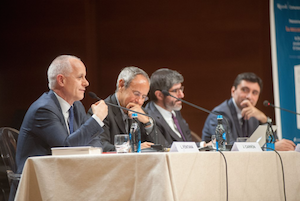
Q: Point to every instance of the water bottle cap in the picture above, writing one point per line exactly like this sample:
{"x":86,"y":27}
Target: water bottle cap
{"x":220,"y":117}
{"x":134,"y":115}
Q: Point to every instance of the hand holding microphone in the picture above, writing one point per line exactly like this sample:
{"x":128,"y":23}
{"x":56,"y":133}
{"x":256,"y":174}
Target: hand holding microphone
{"x":156,"y":146}
{"x":137,"y":108}
{"x":93,"y":95}
{"x":100,"y":109}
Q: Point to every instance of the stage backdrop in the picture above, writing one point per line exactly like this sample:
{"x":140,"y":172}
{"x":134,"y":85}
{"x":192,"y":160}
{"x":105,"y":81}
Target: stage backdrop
{"x":285,"y":43}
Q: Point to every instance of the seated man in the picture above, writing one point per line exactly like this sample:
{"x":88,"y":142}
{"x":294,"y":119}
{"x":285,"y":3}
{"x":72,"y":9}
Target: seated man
{"x":240,"y":111}
{"x":58,"y":118}
{"x":132,"y":88}
{"x":166,"y":109}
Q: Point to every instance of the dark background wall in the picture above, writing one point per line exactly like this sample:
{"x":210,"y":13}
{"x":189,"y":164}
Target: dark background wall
{"x":209,"y":42}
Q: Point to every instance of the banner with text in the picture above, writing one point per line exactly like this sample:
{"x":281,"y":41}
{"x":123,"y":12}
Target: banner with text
{"x":285,"y":47}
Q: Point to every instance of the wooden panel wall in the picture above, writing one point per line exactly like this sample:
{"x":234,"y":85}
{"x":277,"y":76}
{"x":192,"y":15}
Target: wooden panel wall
{"x":208,"y":42}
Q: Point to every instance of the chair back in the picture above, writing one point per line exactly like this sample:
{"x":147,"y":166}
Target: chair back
{"x":8,"y":148}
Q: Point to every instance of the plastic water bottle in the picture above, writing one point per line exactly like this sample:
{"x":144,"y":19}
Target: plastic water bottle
{"x":135,"y":135}
{"x":270,"y":140}
{"x":220,"y":135}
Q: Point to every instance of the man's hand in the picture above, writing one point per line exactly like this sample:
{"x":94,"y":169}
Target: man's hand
{"x":100,"y":109}
{"x":145,"y":145}
{"x":133,"y":106}
{"x":249,"y":111}
{"x":285,"y":145}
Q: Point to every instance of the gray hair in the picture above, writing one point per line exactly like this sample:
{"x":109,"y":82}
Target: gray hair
{"x":163,"y":79}
{"x":60,"y":65}
{"x":128,"y":74}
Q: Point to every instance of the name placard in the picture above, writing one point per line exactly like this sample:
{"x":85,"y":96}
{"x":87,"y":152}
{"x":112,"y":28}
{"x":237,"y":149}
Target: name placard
{"x":246,"y":147}
{"x":297,"y":148}
{"x":184,"y":147}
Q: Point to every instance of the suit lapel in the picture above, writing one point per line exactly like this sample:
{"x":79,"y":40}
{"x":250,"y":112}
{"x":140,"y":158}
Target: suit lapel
{"x":60,"y":114}
{"x":234,"y":117}
{"x":253,"y":123}
{"x":169,"y":131}
{"x":118,"y":115}
{"x":76,"y":123}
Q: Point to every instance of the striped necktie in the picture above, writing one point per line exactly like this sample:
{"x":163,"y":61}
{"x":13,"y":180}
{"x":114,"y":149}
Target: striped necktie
{"x":178,"y":127}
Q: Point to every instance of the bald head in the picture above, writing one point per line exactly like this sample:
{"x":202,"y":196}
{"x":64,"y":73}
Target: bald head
{"x":60,"y":65}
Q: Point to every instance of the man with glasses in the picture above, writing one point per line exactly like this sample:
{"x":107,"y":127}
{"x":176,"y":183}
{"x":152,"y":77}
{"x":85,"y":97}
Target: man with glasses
{"x":131,"y":92}
{"x":166,"y":109}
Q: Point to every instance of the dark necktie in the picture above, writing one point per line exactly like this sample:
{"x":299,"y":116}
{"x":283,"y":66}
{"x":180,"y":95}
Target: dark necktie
{"x":128,"y":123}
{"x":71,"y":119}
{"x":245,"y":128}
{"x":178,"y":127}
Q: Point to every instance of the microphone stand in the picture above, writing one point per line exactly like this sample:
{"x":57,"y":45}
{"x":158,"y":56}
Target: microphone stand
{"x":267,"y":103}
{"x":166,"y":93}
{"x":156,"y":147}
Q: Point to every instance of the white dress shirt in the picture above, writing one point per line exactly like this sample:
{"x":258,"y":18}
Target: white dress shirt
{"x":65,"y":106}
{"x":167,"y":115}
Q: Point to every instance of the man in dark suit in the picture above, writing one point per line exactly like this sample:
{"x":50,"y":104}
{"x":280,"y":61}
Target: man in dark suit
{"x":48,"y":122}
{"x":131,"y":92}
{"x":165,"y":109}
{"x":240,"y":111}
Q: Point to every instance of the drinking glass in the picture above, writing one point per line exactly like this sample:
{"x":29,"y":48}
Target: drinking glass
{"x":122,"y":143}
{"x":213,"y":141}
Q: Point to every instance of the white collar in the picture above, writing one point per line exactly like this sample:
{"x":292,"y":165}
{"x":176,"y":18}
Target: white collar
{"x":65,"y":106}
{"x":238,"y":110}
{"x":165,"y":113}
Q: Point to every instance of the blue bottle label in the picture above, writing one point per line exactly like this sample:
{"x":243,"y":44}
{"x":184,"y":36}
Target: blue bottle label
{"x":271,"y":146}
{"x":224,"y":136}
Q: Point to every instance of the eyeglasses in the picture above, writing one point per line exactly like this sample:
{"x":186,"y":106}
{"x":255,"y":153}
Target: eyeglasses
{"x":138,"y":95}
{"x":177,"y":90}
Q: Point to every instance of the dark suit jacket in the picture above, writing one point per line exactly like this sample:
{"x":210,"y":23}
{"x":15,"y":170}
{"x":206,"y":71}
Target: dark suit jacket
{"x":114,"y":124}
{"x":44,"y":127}
{"x":227,"y":109}
{"x":167,"y":134}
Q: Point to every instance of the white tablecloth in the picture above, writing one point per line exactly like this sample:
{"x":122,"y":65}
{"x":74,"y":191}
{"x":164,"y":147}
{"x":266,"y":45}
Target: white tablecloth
{"x":161,"y":176}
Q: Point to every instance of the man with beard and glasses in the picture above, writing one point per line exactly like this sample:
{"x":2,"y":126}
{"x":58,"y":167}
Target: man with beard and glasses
{"x":166,"y":109}
{"x":241,"y":113}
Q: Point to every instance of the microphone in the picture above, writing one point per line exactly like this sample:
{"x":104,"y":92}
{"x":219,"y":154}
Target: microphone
{"x":166,"y":93}
{"x":267,"y":103}
{"x":93,"y":95}
{"x":156,"y":146}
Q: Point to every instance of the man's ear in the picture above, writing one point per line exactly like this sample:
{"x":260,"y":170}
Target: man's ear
{"x":232,"y":90}
{"x":121,"y":84}
{"x":159,"y":95}
{"x":60,"y":80}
